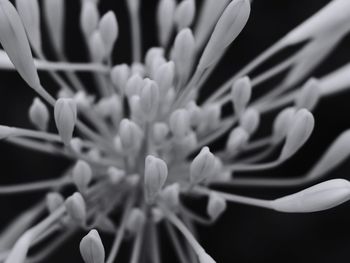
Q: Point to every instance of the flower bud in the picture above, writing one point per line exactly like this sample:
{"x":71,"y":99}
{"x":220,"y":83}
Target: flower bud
{"x":138,"y":69}
{"x":76,"y":208}
{"x":149,"y":99}
{"x":308,"y":95}
{"x":171,"y":195}
{"x":82,"y":175}
{"x":216,"y":206}
{"x":165,"y":18}
{"x":236,"y":140}
{"x":91,"y":248}
{"x":54,"y":13}
{"x":39,"y":114}
{"x":104,"y":223}
{"x":229,"y":26}
{"x":210,"y":117}
{"x":282,"y":123}
{"x":195,"y":112}
{"x":130,"y":135}
{"x":97,"y":47}
{"x":83,"y":100}
{"x":179,"y":123}
{"x":160,"y":132}
{"x":157,"y":215}
{"x":164,"y":76}
{"x":89,"y":18}
{"x":115,"y":175}
{"x":110,"y":107}
{"x":65,"y":117}
{"x":108,"y":28}
{"x":152,"y":54}
{"x":156,"y":173}
{"x":298,"y":133}
{"x":250,"y":120}
{"x":76,"y":144}
{"x":241,"y":93}
{"x":54,"y":200}
{"x":184,"y":14}
{"x":316,"y":198}
{"x":133,"y":85}
{"x":120,"y":75}
{"x":135,"y":221}
{"x":205,"y":258}
{"x":203,"y":166}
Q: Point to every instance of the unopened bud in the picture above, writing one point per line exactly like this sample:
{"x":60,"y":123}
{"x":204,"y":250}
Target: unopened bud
{"x":319,"y":197}
{"x":216,"y":206}
{"x":133,"y":85}
{"x":308,"y":95}
{"x":138,"y":69}
{"x":97,"y":47}
{"x":152,"y":54}
{"x":250,"y":120}
{"x":135,"y":221}
{"x":115,"y":175}
{"x":241,"y":93}
{"x":149,"y":99}
{"x":299,"y":133}
{"x":54,"y":200}
{"x":76,"y":144}
{"x":156,"y":173}
{"x":91,"y":248}
{"x":205,"y":258}
{"x":82,"y":175}
{"x":165,"y":18}
{"x":130,"y":135}
{"x":65,"y":117}
{"x":211,"y":117}
{"x":160,"y":132}
{"x":89,"y":18}
{"x":39,"y":114}
{"x":108,"y":28}
{"x":282,"y":123}
{"x":120,"y":75}
{"x":180,"y":123}
{"x":237,"y":139}
{"x":157,"y":215}
{"x":203,"y":166}
{"x":184,"y":14}
{"x":171,"y":195}
{"x":76,"y":208}
{"x":164,"y":76}
{"x":104,"y":223}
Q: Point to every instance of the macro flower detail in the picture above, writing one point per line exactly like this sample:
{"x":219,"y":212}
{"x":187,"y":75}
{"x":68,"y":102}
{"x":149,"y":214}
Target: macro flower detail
{"x":143,"y":138}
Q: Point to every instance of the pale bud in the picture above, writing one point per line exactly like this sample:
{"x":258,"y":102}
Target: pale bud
{"x":39,"y":114}
{"x":159,"y":132}
{"x":250,"y":120}
{"x":65,"y":117}
{"x":298,"y":133}
{"x":82,"y":175}
{"x":115,"y":175}
{"x":83,"y":100}
{"x":54,"y":200}
{"x":130,"y":135}
{"x":184,"y":14}
{"x":133,"y":85}
{"x":241,"y":93}
{"x":316,"y":198}
{"x":152,"y":54}
{"x":97,"y":47}
{"x":165,"y":18}
{"x":195,"y":112}
{"x":216,"y":206}
{"x":282,"y":123}
{"x":120,"y":75}
{"x":156,"y":173}
{"x":203,"y":166}
{"x":89,"y":18}
{"x":108,"y":28}
{"x":135,"y":107}
{"x":135,"y":221}
{"x":157,"y":215}
{"x":237,"y":139}
{"x":179,"y":123}
{"x":104,"y":223}
{"x":91,"y":248}
{"x":308,"y":95}
{"x":171,"y":195}
{"x":76,"y":208}
{"x":149,"y":99}
{"x":76,"y":144}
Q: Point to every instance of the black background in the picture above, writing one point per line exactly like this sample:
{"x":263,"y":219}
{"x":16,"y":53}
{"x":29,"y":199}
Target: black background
{"x":243,"y":234}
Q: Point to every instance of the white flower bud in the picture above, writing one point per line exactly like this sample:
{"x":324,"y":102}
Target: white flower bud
{"x":237,"y":139}
{"x":89,"y":18}
{"x":165,"y":18}
{"x":30,"y":14}
{"x":282,"y":123}
{"x":82,"y":175}
{"x":110,"y":107}
{"x":83,"y":100}
{"x":210,"y":117}
{"x":39,"y":114}
{"x":133,"y":85}
{"x":179,"y":123}
{"x":164,"y":76}
{"x":76,"y":144}
{"x":203,"y":166}
{"x":319,"y":197}
{"x":157,"y":215}
{"x":91,"y":248}
{"x":229,"y":26}
{"x":171,"y":195}
{"x":241,"y":93}
{"x":130,"y":135}
{"x":156,"y":173}
{"x":65,"y":117}
{"x":308,"y":95}
{"x":76,"y":208}
{"x":120,"y":75}
{"x":184,"y":145}
{"x":216,"y":206}
{"x":195,"y":112}
{"x":135,"y":220}
{"x":205,"y":258}
{"x":149,"y":99}
{"x":184,"y":14}
{"x":54,"y":200}
{"x":115,"y":175}
{"x":159,"y":132}
{"x":298,"y":134}
{"x":108,"y":28}
{"x":138,"y":69}
{"x":250,"y":120}
{"x":97,"y":47}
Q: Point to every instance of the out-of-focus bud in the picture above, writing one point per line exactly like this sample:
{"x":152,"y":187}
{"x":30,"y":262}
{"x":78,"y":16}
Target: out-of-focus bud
{"x":319,"y":197}
{"x":171,"y":196}
{"x":91,"y":248}
{"x":54,"y":200}
{"x":65,"y":117}
{"x":203,"y":166}
{"x":205,"y":258}
{"x":229,"y":26}
{"x":164,"y":76}
{"x":210,"y":117}
{"x":184,"y":14}
{"x":110,"y":107}
{"x":149,"y":99}
{"x":76,"y":208}
{"x":152,"y":54}
{"x":195,"y":113}
{"x":156,"y":173}
{"x":168,"y":101}
{"x":82,"y":175}
{"x":179,"y":123}
{"x":97,"y":47}
{"x":282,"y":123}
{"x":241,"y":93}
{"x":120,"y":75}
{"x":298,"y":133}
{"x":133,"y":85}
{"x":83,"y":100}
{"x":30,"y":14}
{"x":184,"y":145}
{"x":216,"y":206}
{"x":236,"y":140}
{"x":130,"y":135}
{"x":76,"y":144}
{"x":160,"y":132}
{"x":115,"y":175}
{"x":157,"y":215}
{"x":250,"y":120}
{"x":108,"y":28}
{"x":89,"y":18}
{"x":308,"y":95}
{"x":135,"y":221}
{"x":39,"y":114}
{"x":165,"y":18}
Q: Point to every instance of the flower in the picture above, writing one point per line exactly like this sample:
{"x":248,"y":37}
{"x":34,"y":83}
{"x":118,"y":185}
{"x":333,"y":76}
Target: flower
{"x":144,"y":138}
